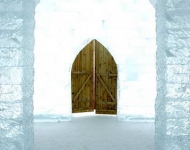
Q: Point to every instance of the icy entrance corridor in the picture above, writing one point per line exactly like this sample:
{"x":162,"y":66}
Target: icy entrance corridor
{"x":94,"y":133}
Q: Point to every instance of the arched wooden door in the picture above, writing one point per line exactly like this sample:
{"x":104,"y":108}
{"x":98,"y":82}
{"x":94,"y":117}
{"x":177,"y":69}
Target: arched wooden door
{"x":94,"y":80}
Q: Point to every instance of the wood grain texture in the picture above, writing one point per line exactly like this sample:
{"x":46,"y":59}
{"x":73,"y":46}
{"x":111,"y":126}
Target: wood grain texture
{"x":106,"y":81}
{"x":94,"y":80}
{"x":82,"y":81}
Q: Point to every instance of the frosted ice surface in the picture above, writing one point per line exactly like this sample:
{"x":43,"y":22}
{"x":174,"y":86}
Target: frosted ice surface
{"x":16,"y":74}
{"x":153,"y":2}
{"x":173,"y":103}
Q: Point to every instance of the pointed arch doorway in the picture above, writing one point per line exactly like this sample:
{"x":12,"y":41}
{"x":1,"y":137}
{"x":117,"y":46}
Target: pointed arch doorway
{"x":94,"y":80}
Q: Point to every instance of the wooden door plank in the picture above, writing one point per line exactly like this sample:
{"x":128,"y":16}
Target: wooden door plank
{"x":111,"y":112}
{"x":99,"y":77}
{"x":111,"y":103}
{"x":93,"y":72}
{"x":83,"y":79}
{"x":97,"y":70}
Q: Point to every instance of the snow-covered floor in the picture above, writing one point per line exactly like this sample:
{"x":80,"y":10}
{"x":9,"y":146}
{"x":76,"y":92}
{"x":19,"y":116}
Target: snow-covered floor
{"x":94,"y":132}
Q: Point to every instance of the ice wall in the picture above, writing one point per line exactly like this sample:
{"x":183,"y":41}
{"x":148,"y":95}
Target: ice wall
{"x":16,"y":74}
{"x":125,"y":28}
{"x":153,"y":2}
{"x":173,"y":75}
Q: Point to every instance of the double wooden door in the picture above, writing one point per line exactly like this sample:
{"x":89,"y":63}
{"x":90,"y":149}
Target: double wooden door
{"x":94,"y":80}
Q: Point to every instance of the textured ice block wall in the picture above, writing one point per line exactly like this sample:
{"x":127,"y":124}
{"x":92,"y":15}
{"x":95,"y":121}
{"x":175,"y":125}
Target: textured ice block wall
{"x":16,"y":74}
{"x":173,"y":75}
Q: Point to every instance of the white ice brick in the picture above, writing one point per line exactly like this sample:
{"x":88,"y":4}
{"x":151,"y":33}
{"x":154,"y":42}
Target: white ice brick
{"x":16,"y":108}
{"x":10,"y":57}
{"x":10,"y":93}
{"x":11,"y":75}
{"x":172,"y":102}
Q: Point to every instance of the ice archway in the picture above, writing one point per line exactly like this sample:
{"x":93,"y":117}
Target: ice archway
{"x":16,"y":76}
{"x":125,"y":28}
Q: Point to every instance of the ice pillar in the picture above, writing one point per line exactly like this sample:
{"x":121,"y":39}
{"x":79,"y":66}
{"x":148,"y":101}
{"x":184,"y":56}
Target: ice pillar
{"x":16,"y":74}
{"x":173,"y":75}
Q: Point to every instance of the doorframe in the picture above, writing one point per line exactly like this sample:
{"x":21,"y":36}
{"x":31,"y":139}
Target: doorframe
{"x":70,"y":72}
